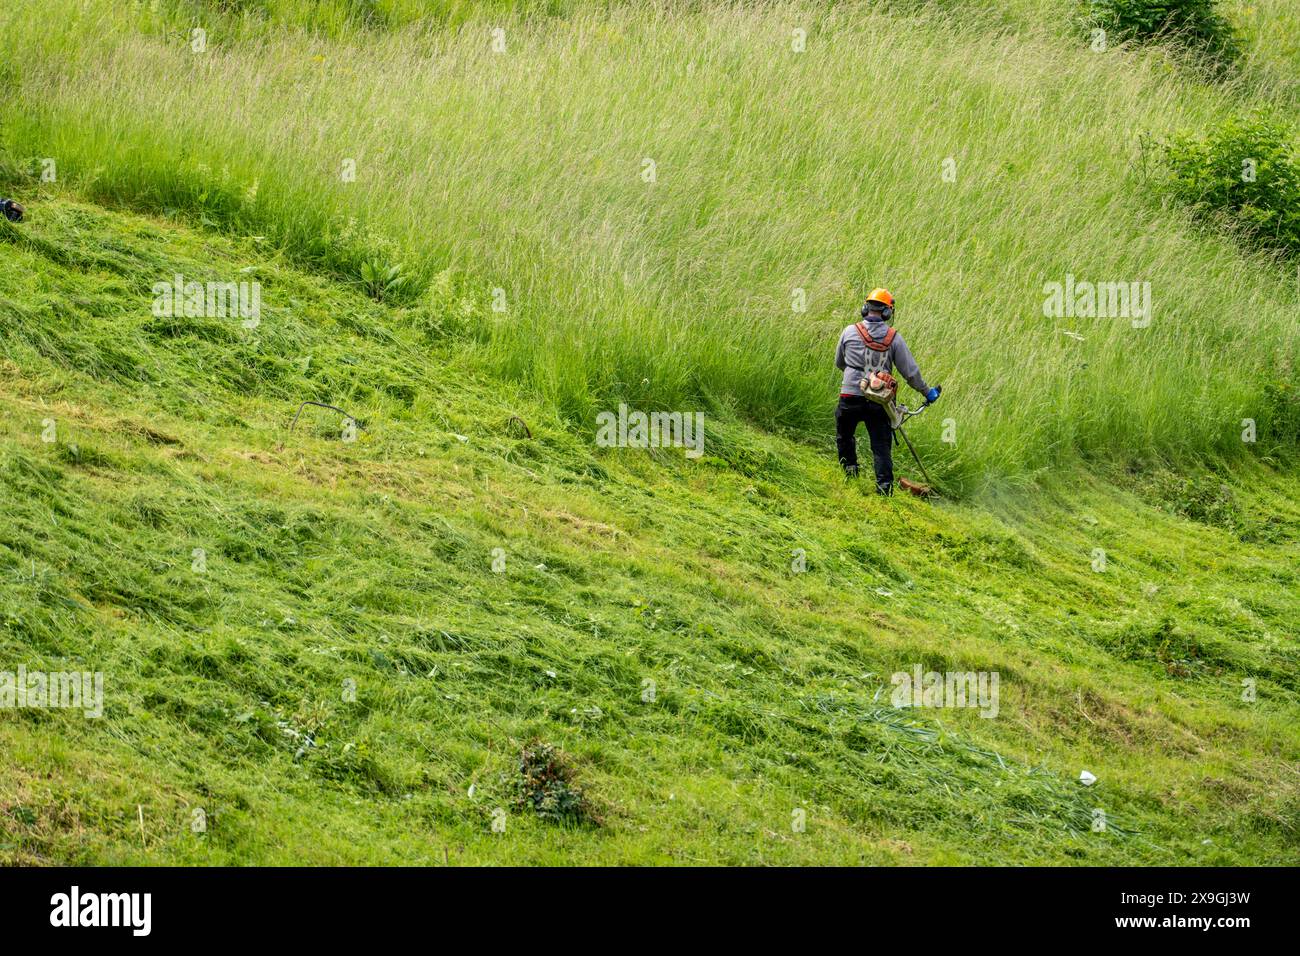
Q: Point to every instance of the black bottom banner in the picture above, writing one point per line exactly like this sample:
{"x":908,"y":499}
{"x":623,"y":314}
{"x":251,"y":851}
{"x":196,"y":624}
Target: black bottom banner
{"x":337,"y":905}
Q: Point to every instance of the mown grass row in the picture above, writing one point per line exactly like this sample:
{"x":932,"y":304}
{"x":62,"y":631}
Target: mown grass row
{"x":326,"y":562}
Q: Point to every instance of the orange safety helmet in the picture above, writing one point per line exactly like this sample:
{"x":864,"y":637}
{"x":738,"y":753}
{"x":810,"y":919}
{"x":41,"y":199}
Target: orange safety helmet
{"x":882,"y":298}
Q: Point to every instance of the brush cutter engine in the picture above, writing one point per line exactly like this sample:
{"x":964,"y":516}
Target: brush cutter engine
{"x":882,"y":388}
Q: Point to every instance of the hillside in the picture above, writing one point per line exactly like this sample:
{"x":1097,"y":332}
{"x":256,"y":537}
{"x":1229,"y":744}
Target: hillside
{"x":432,"y":619}
{"x":129,"y":440}
{"x":678,"y":205}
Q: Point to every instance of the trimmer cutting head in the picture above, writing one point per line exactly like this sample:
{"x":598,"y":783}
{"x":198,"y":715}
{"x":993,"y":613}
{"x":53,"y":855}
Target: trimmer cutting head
{"x":921,"y":491}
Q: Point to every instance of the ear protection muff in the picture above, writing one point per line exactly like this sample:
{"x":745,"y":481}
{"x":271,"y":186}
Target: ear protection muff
{"x":886,"y":311}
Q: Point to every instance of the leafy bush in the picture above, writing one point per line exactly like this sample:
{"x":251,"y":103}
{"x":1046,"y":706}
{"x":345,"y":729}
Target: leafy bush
{"x":1246,"y":170}
{"x":1197,"y":24}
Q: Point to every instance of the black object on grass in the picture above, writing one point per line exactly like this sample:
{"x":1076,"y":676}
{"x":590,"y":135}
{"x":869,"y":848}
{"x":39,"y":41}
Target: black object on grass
{"x":13,"y":211}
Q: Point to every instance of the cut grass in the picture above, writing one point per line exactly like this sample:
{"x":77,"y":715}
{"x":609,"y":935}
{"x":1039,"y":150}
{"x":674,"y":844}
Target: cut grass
{"x":330,"y":565}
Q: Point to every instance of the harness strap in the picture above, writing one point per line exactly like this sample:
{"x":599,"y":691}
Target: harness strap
{"x":869,"y":342}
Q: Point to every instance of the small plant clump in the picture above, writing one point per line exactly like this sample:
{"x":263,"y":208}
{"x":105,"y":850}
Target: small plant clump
{"x":546,"y":786}
{"x":383,"y":281}
{"x":1197,"y":498}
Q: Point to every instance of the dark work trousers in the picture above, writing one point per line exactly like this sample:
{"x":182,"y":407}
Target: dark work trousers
{"x":851,"y":410}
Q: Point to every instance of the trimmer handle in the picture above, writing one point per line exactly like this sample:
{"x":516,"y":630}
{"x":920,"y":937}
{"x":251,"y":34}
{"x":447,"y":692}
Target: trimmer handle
{"x":926,"y":403}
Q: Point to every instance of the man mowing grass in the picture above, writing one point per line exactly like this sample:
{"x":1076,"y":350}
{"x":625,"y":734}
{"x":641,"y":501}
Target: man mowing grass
{"x":867,"y":354}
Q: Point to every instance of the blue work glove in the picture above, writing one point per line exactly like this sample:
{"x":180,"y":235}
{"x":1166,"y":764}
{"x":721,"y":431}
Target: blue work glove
{"x":932,"y":395}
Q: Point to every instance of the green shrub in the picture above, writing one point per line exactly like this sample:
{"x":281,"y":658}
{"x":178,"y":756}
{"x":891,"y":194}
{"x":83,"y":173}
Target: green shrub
{"x":1246,"y":170}
{"x":1197,"y":24}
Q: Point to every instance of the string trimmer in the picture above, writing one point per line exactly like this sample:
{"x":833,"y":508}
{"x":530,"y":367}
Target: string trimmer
{"x":904,"y":413}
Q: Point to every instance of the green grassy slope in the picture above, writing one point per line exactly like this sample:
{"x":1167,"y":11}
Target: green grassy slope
{"x":780,"y":177}
{"x":370,"y":561}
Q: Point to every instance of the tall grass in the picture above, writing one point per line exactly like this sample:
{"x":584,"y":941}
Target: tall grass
{"x":774,"y":171}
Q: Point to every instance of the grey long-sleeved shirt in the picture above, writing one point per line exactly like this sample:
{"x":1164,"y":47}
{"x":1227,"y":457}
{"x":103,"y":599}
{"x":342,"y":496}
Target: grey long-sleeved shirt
{"x":853,"y":356}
